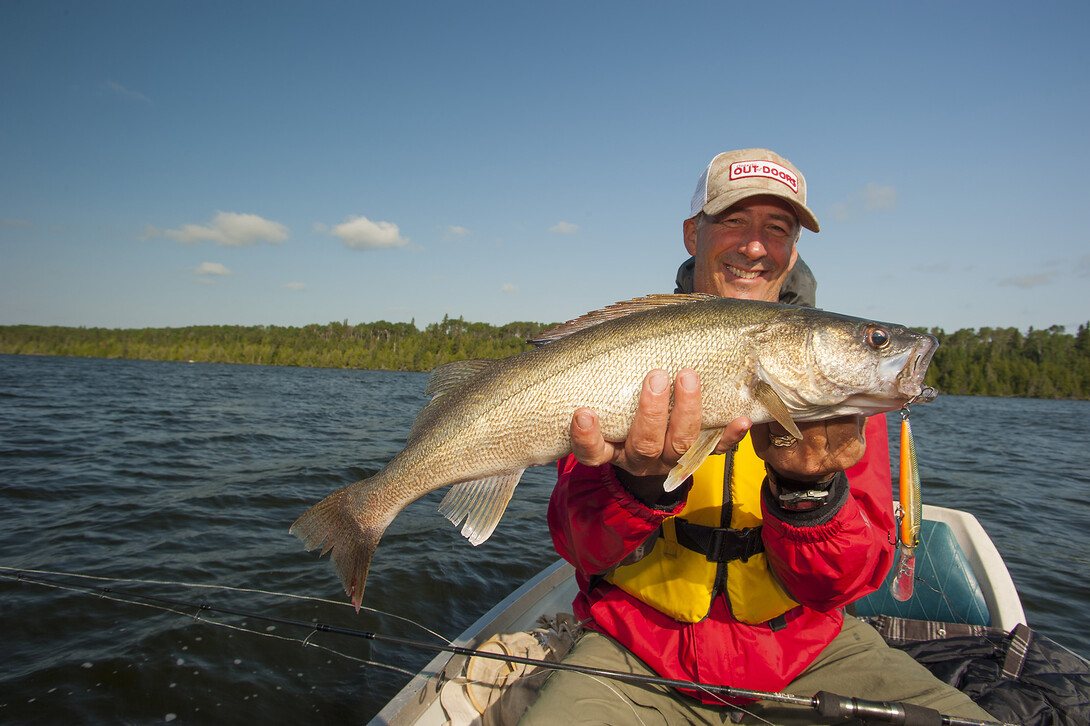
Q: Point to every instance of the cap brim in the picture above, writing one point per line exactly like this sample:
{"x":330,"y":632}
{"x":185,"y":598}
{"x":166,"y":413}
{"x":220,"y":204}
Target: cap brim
{"x":726,"y":201}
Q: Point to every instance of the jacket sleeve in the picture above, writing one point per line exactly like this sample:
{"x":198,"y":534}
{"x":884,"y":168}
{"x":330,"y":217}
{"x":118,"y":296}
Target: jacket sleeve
{"x":594,"y":521}
{"x":828,"y":562}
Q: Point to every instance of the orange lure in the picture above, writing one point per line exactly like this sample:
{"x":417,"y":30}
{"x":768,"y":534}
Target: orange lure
{"x":911,"y":514}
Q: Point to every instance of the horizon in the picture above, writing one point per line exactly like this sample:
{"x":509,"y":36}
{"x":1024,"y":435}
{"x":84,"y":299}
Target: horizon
{"x":926,"y":328}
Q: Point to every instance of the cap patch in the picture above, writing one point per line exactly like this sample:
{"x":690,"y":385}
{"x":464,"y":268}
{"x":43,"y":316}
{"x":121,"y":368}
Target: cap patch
{"x":766,"y":169}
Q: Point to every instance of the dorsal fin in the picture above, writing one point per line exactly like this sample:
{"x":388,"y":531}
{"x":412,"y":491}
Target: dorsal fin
{"x":449,"y":375}
{"x":442,"y":380}
{"x":618,"y":310}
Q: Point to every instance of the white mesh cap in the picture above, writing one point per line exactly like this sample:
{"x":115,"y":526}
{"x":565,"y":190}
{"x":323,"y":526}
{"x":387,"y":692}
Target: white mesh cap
{"x":735,"y":175}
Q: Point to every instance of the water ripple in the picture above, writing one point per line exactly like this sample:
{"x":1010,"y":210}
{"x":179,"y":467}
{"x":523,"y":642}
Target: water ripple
{"x":194,"y":472}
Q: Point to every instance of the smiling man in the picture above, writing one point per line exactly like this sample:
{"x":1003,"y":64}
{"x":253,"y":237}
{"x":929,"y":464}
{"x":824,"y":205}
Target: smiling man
{"x":738,"y":577}
{"x":746,"y":218}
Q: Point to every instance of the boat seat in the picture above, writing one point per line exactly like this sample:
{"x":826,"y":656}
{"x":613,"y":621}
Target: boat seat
{"x":945,"y":589}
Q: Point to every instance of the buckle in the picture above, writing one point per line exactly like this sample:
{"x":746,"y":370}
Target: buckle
{"x":734,"y":544}
{"x":802,"y":501}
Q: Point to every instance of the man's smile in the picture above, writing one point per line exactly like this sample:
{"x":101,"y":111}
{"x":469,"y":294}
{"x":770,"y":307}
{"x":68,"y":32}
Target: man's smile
{"x":744,"y":274}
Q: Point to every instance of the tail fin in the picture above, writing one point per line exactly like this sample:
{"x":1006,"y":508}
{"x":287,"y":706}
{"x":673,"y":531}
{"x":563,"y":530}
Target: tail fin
{"x":331,"y":525}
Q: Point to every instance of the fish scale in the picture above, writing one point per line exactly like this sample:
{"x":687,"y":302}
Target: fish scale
{"x":490,"y":420}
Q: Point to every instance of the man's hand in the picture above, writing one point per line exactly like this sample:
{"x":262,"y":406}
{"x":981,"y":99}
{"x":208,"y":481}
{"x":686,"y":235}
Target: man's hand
{"x":827,"y":447}
{"x":658,"y":436}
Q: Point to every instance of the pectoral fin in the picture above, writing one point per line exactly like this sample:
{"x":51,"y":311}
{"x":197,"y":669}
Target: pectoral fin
{"x":775,"y":406}
{"x":481,"y":503}
{"x":691,"y":460}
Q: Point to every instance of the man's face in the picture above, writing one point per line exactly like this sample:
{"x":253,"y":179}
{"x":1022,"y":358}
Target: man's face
{"x":745,"y":251}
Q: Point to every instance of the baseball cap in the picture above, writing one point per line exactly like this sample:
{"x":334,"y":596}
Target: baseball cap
{"x":735,"y":175}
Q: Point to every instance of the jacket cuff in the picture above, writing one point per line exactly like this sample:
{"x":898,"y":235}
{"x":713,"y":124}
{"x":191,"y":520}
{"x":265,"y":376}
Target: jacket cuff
{"x":838,"y":496}
{"x":670,"y":504}
{"x":642,"y":487}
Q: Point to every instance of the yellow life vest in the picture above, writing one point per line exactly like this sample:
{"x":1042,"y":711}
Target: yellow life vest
{"x":682,"y":582}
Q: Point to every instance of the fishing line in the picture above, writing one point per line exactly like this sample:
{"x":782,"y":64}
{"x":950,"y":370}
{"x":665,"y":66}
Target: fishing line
{"x":20,"y":575}
{"x":227,"y":588}
{"x":825,"y":703}
{"x":129,"y":598}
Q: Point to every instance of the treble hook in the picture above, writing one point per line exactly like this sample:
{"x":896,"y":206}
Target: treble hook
{"x":926,"y":394}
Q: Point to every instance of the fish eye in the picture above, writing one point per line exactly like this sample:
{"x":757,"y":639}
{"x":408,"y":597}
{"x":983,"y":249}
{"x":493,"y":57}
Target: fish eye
{"x":877,"y":337}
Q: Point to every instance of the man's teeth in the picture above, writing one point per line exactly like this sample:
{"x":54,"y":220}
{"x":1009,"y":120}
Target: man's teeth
{"x":742,"y":273}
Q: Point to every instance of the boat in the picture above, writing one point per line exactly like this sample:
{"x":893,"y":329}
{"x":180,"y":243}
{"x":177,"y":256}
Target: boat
{"x":963,"y":590}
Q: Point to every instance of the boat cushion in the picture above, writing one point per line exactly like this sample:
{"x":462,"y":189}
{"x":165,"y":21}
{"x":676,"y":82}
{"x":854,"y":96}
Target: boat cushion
{"x":945,"y":588}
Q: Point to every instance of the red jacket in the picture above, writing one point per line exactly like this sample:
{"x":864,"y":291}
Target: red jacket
{"x":595,"y":522}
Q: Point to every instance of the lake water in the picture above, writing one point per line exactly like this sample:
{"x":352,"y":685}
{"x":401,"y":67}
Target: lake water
{"x":192,"y":473}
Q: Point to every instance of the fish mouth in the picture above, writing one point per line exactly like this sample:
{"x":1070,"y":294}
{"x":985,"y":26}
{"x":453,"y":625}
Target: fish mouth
{"x":910,"y":379}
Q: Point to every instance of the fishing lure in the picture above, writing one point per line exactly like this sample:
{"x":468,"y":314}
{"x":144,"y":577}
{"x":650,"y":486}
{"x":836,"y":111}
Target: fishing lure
{"x":910,"y":517}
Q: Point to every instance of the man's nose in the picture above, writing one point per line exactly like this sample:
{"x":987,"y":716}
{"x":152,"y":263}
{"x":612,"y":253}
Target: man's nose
{"x":755,"y":247}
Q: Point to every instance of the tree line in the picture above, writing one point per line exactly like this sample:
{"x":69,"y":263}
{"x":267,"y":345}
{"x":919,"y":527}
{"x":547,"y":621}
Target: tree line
{"x":379,"y":346}
{"x":1046,"y":363}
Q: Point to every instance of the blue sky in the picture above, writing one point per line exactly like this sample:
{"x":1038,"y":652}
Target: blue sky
{"x":184,"y":163}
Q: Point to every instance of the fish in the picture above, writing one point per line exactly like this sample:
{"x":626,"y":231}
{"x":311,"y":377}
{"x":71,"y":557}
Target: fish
{"x":911,"y":515}
{"x":489,"y":420}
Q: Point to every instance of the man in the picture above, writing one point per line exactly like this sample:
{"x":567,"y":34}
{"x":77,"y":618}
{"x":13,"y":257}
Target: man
{"x":737,"y":578}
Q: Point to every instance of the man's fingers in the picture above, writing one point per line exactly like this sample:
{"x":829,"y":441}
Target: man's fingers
{"x":660,"y":433}
{"x":588,"y":445}
{"x":684,"y":427}
{"x":735,"y":431}
{"x":645,"y":438}
{"x":827,"y":446}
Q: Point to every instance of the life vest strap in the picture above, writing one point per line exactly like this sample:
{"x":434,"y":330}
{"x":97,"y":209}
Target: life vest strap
{"x":719,"y":544}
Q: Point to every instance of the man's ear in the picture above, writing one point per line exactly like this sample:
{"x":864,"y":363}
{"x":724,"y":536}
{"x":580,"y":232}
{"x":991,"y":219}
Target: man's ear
{"x":689,"y":230}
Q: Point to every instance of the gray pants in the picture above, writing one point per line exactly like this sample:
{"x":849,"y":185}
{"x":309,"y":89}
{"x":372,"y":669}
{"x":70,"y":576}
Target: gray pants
{"x":857,"y":663}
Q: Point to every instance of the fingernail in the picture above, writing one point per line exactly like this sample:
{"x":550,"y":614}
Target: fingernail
{"x":583,"y":419}
{"x":658,"y":381}
{"x":689,"y":381}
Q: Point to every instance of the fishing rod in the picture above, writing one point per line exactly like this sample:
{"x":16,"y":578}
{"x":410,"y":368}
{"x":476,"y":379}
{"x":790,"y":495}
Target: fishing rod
{"x":825,"y":703}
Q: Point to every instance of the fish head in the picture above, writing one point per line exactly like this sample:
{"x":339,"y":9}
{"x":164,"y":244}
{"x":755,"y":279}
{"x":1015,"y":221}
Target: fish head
{"x":842,"y":365}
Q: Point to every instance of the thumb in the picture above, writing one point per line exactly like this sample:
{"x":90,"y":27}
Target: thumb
{"x":588,"y":445}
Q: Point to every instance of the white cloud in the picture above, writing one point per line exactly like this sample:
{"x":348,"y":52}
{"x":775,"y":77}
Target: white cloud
{"x":934,"y":268}
{"x":508,"y":288}
{"x":150,"y":232}
{"x":230,"y":229}
{"x":1027,"y":281}
{"x":120,"y":90}
{"x":875,"y":197}
{"x":296,"y":286}
{"x":456,"y":231}
{"x":320,"y":228}
{"x":12,"y":223}
{"x":363,"y":234}
{"x":211,"y":268}
{"x":871,"y":198}
{"x":564,"y":228}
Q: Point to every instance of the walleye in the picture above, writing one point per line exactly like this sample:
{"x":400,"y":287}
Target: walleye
{"x":491,"y":419}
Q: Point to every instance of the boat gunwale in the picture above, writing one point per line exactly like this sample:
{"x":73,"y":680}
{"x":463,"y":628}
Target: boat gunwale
{"x":516,"y":612}
{"x":989,"y":568}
